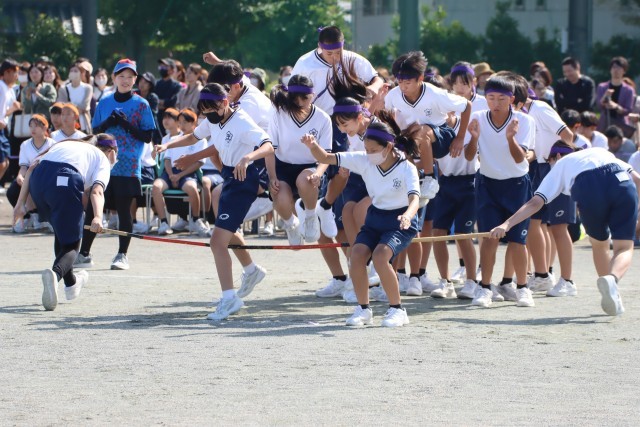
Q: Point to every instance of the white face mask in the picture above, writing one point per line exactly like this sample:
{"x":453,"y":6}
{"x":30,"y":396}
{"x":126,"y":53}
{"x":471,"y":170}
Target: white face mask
{"x":377,"y":158}
{"x":285,"y":79}
{"x":101,"y":81}
{"x":74,"y":75}
{"x":23,"y":78}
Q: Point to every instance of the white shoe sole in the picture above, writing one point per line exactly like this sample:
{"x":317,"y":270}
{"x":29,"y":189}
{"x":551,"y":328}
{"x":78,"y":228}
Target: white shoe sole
{"x":525,"y":304}
{"x":360,"y":323}
{"x":394,"y":325}
{"x":119,"y":267}
{"x":608,"y":302}
{"x":479,"y":304}
{"x":234,"y":309}
{"x":50,"y":291}
{"x":414,"y":292}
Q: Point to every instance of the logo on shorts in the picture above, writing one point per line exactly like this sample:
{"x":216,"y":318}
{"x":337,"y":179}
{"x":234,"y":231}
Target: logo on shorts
{"x":228,"y":137}
{"x":559,"y":214}
{"x":223,"y":217}
{"x":524,"y":233}
{"x":469,"y":223}
{"x":428,"y":111}
{"x":397,"y":183}
{"x":313,"y":132}
{"x":396,"y":241}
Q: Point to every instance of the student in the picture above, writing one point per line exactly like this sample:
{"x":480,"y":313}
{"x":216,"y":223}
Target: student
{"x":56,"y":185}
{"x":55,"y":112}
{"x":620,"y":146}
{"x":391,"y":221}
{"x":234,"y":136}
{"x":30,"y":149}
{"x":128,"y":118}
{"x":588,"y":125}
{"x":69,"y":116}
{"x":8,"y":105}
{"x":572,"y":119}
{"x":603,"y":188}
{"x":79,"y":94}
{"x":501,"y":137}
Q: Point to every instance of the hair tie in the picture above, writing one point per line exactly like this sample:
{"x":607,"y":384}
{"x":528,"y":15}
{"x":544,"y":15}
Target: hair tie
{"x":320,"y":29}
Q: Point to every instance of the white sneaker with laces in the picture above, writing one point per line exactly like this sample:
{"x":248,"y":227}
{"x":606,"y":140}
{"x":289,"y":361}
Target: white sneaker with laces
{"x":249,"y":281}
{"x":414,"y":288}
{"x":377,"y":293}
{"x":83,"y":261}
{"x":293,"y":232}
{"x":445,"y":290}
{"x":468,"y":291}
{"x":50,"y":291}
{"x":495,"y":295}
{"x":540,"y":284}
{"x":311,"y":229}
{"x":482,"y":298}
{"x":428,"y":285}
{"x":374,"y":279}
{"x":459,"y":275}
{"x":267,"y":230}
{"x":140,"y":228}
{"x":360,"y":317}
{"x":201,"y":227}
{"x":180,"y":225}
{"x":429,"y":187}
{"x":72,"y":292}
{"x":403,"y":282}
{"x":525,"y":297}
{"x":611,"y":302}
{"x":563,"y":288}
{"x":120,"y":262}
{"x":226,"y":307}
{"x":327,"y":221}
{"x":333,"y":289}
{"x":395,"y":317}
{"x":508,"y":291}
{"x":164,"y":229}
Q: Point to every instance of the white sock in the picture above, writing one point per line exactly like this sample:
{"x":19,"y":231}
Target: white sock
{"x":249,"y":268}
{"x":310,"y":213}
{"x":228,"y":294}
{"x":289,"y":222}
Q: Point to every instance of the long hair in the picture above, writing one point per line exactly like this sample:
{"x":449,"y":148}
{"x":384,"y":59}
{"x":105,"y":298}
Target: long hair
{"x":284,"y":100}
{"x":346,"y":83}
{"x":405,"y":140}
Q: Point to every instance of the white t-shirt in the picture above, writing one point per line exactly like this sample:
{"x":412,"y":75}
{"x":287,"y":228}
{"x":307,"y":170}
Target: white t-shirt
{"x":495,"y":159}
{"x":59,"y":135}
{"x":174,"y":154}
{"x":233,"y":139}
{"x":90,"y":162}
{"x":581,"y":141}
{"x":634,"y":161}
{"x":256,"y":104}
{"x":549,"y":125}
{"x":7,"y":98}
{"x":286,"y":132}
{"x":458,"y":166}
{"x":320,"y":72}
{"x":431,"y":107}
{"x":29,"y":152}
{"x":598,"y":139}
{"x":388,"y":189}
{"x":76,"y":97}
{"x":563,"y":174}
{"x":147,"y":158}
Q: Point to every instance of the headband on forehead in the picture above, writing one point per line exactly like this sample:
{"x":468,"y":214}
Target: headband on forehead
{"x":500,"y":91}
{"x":40,"y":119}
{"x":560,"y":150}
{"x":430,"y":74}
{"x":463,"y":68}
{"x":331,"y":46}
{"x":347,"y":109}
{"x":204,"y":96}
{"x":379,"y":134}
{"x":111,"y":143}
{"x":297,"y":89}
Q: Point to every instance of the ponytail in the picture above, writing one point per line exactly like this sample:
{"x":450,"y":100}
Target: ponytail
{"x":285,"y":99}
{"x":405,"y":140}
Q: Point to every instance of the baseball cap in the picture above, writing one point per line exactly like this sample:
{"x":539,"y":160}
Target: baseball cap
{"x":149,"y":77}
{"x":168,"y":62}
{"x":124,"y":64}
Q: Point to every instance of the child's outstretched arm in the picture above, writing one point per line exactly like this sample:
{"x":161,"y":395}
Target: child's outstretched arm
{"x":318,"y":152}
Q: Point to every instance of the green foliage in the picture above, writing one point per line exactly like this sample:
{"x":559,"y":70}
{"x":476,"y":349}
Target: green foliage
{"x":382,"y":55}
{"x":549,"y":51}
{"x":619,"y":45}
{"x":505,"y":47}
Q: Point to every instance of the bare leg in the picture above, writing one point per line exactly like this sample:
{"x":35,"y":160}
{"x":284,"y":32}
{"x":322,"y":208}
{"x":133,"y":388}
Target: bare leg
{"x":381,"y":256}
{"x":564,"y":247}
{"x":360,"y":254}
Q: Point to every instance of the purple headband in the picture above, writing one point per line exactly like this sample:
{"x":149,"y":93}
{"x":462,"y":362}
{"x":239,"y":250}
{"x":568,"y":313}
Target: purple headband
{"x":430,"y":74}
{"x":379,"y":134}
{"x":297,"y":89}
{"x":112,"y":143}
{"x":403,"y":76}
{"x":500,"y":91}
{"x":560,"y":150}
{"x":463,"y":68}
{"x":347,"y":109}
{"x":331,"y":46}
{"x":211,"y":97}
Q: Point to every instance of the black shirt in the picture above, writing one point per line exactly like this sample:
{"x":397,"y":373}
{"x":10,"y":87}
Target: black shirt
{"x":613,"y":114}
{"x":579,"y":96}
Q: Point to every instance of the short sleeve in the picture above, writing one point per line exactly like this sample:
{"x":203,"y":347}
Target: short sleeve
{"x":254,"y":137}
{"x":552,"y":184}
{"x":325,"y":137}
{"x":364,"y":69}
{"x":354,"y":161}
{"x":450,"y":101}
{"x":101,"y":172}
{"x":202,"y":131}
{"x":526,"y":132}
{"x":23,"y":159}
{"x":273,"y":128}
{"x":549,"y":119}
{"x":412,"y":180}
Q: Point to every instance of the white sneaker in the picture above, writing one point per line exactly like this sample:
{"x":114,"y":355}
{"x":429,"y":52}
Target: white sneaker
{"x":483,"y":297}
{"x":327,"y":221}
{"x":525,"y":297}
{"x":113,"y":222}
{"x":35,"y":222}
{"x":563,"y":289}
{"x":20,"y":226}
{"x":459,"y":275}
{"x":226,"y":307}
{"x":360,"y":317}
{"x":414,"y":288}
{"x":50,"y":291}
{"x":468,"y":291}
{"x":164,"y":229}
{"x":395,"y":317}
{"x":180,"y":225}
{"x":428,"y":285}
{"x":267,"y":230}
{"x":349,"y":296}
{"x":374,"y":279}
{"x":140,"y":228}
{"x":540,"y":284}
{"x":403,"y":282}
{"x":508,"y":291}
{"x":249,"y":281}
{"x":377,"y":293}
{"x":311,"y":229}
{"x":293,"y":233}
{"x":333,"y":289}
{"x":72,"y":292}
{"x":495,"y":295}
{"x":201,"y":227}
{"x":445,"y":290}
{"x":611,"y":302}
{"x":83,"y":261}
{"x":120,"y":262}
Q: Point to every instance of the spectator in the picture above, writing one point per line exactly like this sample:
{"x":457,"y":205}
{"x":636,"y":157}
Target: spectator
{"x":167,"y":88}
{"x":86,"y":69}
{"x":588,"y":125}
{"x":482,"y":71}
{"x":69,"y":116}
{"x":541,"y":92}
{"x":79,"y":94}
{"x":146,"y":85}
{"x":615,"y":98}
{"x":51,"y":76}
{"x":39,"y":95}
{"x":101,"y":86}
{"x":189,"y":95}
{"x":285,"y":74}
{"x":574,"y":91}
{"x":180,"y":75}
{"x":620,"y":146}
{"x":543,"y":75}
{"x":258,"y":78}
{"x":55,"y":112}
{"x":535,"y":67}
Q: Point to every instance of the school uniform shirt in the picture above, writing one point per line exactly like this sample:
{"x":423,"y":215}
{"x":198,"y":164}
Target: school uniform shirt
{"x":7,"y":98}
{"x":174,"y":154}
{"x":91,"y":163}
{"x":634,"y":161}
{"x":147,"y":157}
{"x":388,"y":189}
{"x":130,"y":149}
{"x":431,"y":107}
{"x":496,"y":160}
{"x":563,"y":174}
{"x":548,"y":127}
{"x":59,"y":135}
{"x":459,"y":166}
{"x":581,"y":141}
{"x":256,"y":104}
{"x":235,"y":138}
{"x":29,"y":152}
{"x":320,"y":72}
{"x":286,"y":132}
{"x":598,"y":139}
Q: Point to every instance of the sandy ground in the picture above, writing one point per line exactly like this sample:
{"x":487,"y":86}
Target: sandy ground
{"x":136,"y":349}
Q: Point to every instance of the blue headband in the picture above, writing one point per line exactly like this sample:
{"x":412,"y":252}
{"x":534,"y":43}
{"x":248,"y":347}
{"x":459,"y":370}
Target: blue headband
{"x":347,"y":108}
{"x":464,"y":69}
{"x":403,"y":76}
{"x":379,"y":134}
{"x":500,"y":91}
{"x":112,"y":143}
{"x":297,"y":89}
{"x":211,"y":97}
{"x":560,"y":150}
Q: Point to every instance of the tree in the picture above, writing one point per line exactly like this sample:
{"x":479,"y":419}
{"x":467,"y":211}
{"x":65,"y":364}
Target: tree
{"x":549,"y":51}
{"x":619,"y":45}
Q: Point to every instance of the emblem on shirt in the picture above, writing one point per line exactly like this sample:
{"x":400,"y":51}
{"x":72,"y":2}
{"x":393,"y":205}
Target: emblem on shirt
{"x":428,"y":111}
{"x":228,"y":137}
{"x":313,"y":132}
{"x":397,"y":183}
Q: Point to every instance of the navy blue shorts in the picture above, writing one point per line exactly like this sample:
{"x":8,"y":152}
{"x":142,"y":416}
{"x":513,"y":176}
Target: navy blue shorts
{"x":56,"y":189}
{"x":498,"y":199}
{"x":422,"y":216}
{"x":355,"y":191}
{"x":165,"y":177}
{"x":5,"y":146}
{"x":444,"y":135}
{"x":562,"y":210}
{"x":288,"y":172}
{"x":383,"y":227}
{"x":339,"y":144}
{"x":537,"y":172}
{"x":607,"y":204}
{"x":148,"y":175}
{"x":455,"y":204}
{"x":236,"y":198}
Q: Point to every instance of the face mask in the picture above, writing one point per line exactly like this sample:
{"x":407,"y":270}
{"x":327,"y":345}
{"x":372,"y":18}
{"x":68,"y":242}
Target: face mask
{"x":163,"y":72}
{"x":377,"y":158}
{"x":74,"y":75}
{"x":22,"y":78}
{"x":214,"y":117}
{"x":101,"y":81}
{"x":254,"y":82}
{"x":285,"y":80}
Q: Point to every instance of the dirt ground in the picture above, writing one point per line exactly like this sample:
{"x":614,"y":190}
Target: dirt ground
{"x":136,"y":349}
